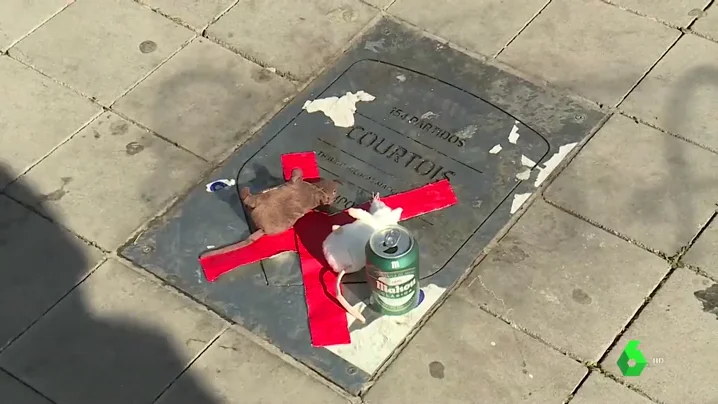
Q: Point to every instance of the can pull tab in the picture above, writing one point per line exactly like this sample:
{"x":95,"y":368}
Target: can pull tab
{"x":391,"y":239}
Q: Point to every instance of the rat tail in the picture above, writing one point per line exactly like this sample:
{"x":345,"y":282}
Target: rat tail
{"x":348,"y":307}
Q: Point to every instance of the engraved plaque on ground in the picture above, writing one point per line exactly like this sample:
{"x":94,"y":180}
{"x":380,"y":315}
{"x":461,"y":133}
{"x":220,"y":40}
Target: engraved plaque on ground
{"x":421,"y":127}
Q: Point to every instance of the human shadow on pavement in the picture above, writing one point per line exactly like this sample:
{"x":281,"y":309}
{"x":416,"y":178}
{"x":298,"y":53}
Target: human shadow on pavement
{"x":50,"y":336}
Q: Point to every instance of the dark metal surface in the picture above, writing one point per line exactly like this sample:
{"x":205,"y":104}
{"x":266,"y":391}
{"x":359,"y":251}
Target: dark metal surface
{"x":436,"y":115}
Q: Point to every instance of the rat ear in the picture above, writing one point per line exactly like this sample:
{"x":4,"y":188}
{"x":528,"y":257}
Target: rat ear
{"x":296,"y":175}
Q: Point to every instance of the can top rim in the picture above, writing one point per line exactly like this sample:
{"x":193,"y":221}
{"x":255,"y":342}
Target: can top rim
{"x":403,"y":244}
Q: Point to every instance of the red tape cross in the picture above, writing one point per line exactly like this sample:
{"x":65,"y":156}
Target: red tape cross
{"x":327,"y":319}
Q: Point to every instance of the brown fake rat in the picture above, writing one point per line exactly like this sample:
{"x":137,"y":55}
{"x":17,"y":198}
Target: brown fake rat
{"x":277,"y":209}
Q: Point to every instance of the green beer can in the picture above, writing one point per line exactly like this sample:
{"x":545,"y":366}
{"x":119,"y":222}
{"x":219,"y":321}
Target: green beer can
{"x":392,"y":271}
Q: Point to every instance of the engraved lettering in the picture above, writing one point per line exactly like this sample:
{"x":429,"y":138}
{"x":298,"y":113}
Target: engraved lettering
{"x":438,"y":170}
{"x":343,"y":201}
{"x":349,"y":134}
{"x":390,"y":145}
{"x":354,"y":171}
{"x":414,"y":119}
{"x":411,"y":160}
{"x":447,"y":173}
{"x":365,"y":135}
{"x":398,"y":153}
{"x":418,"y":168}
{"x":424,"y":125}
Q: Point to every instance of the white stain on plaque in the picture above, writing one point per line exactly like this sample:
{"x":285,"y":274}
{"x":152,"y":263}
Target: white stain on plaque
{"x":429,"y":115}
{"x":553,"y":162}
{"x":524,"y":175}
{"x":519,"y":200}
{"x":372,"y":344}
{"x":339,"y":110}
{"x":514,"y":135}
{"x":525,"y":161}
{"x":496,"y":149}
{"x":467,"y":132}
{"x":401,"y":78}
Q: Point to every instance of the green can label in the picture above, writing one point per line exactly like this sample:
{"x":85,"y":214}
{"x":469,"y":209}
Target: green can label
{"x":395,"y":293}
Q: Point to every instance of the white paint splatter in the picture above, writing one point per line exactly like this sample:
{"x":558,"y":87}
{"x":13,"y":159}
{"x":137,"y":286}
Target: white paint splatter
{"x":496,"y":149}
{"x":429,"y":115}
{"x":272,"y":69}
{"x":467,"y":132}
{"x":531,"y":376}
{"x":519,"y":200}
{"x":527,"y":161}
{"x":339,"y":110}
{"x":374,"y":46}
{"x":401,"y":78}
{"x":210,"y":246}
{"x":493,"y":343}
{"x":514,"y":135}
{"x":524,"y":175}
{"x":553,"y":162}
{"x":372,"y":344}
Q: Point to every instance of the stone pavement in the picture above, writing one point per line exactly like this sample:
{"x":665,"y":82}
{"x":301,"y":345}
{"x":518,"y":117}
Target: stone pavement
{"x":111,"y":109}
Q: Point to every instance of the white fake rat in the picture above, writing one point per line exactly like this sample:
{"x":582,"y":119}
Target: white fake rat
{"x":344,"y":248}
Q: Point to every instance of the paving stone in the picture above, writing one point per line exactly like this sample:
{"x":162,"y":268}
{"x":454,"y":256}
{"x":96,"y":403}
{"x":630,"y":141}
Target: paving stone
{"x":206,"y":98}
{"x":19,"y":17}
{"x":464,"y":354}
{"x":101,"y":48}
{"x":379,"y":3}
{"x":598,"y":389}
{"x":195,"y":13}
{"x":109,"y":179}
{"x":708,"y":25}
{"x":40,"y":263}
{"x":644,"y":184}
{"x":295,"y":38}
{"x":483,"y":26}
{"x":566,"y":281}
{"x":704,"y":253}
{"x":14,"y":392}
{"x":678,"y":13}
{"x":679,"y":93}
{"x":239,"y":371}
{"x":38,"y":117}
{"x":677,"y":333}
{"x":120,"y":337}
{"x":589,"y":47}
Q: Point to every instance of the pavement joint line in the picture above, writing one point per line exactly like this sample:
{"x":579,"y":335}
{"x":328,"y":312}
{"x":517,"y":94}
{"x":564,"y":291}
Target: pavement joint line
{"x":386,"y":8}
{"x":644,"y":15}
{"x":17,"y":379}
{"x":52,"y":306}
{"x":658,"y":128}
{"x":697,"y":271}
{"x":52,"y":150}
{"x":217,"y":17}
{"x":152,"y":70}
{"x":650,"y":68}
{"x":580,"y":383}
{"x":69,"y":4}
{"x":612,"y":232}
{"x":522,"y":29}
{"x":231,"y":324}
{"x":175,"y":20}
{"x":192,"y":361}
{"x":152,"y":132}
{"x":684,"y":250}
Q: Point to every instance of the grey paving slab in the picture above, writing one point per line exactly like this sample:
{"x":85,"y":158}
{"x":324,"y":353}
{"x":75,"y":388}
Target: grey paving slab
{"x":599,"y":389}
{"x":19,"y":17}
{"x":644,"y":184}
{"x":469,"y":109}
{"x":464,"y":354}
{"x":90,"y":47}
{"x":379,"y":3}
{"x":109,"y":179}
{"x":678,"y":13}
{"x":708,"y":24}
{"x":206,"y":98}
{"x":240,"y":372}
{"x":483,"y":26}
{"x":120,"y":337}
{"x":584,"y":46}
{"x":678,"y":93}
{"x":677,"y":333}
{"x":571,"y":284}
{"x":14,"y":392}
{"x":196,"y":14}
{"x":41,"y":263}
{"x":295,"y":38}
{"x":704,"y":253}
{"x":38,"y":116}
